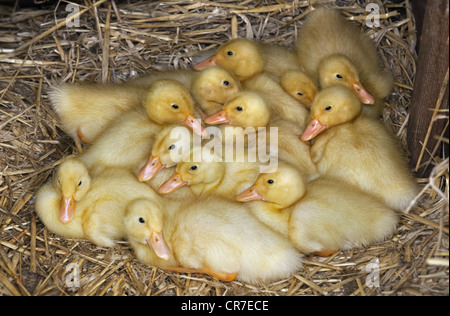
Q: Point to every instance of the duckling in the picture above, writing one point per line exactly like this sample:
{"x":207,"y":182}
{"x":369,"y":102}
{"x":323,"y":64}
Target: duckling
{"x":353,"y":147}
{"x":323,"y":216}
{"x":212,"y":87}
{"x":166,"y":150}
{"x":333,"y":51}
{"x":281,"y":103}
{"x":86,"y":110}
{"x":299,"y":86}
{"x":127,"y":142}
{"x":246,"y":58}
{"x":213,"y":174}
{"x":212,"y":236}
{"x":76,"y":205}
{"x":249,"y":109}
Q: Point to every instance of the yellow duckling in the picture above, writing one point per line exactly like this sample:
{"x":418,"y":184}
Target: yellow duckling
{"x":358,"y":149}
{"x":86,"y":110}
{"x":74,"y":205}
{"x":246,"y":58}
{"x":166,"y":151}
{"x":322,"y":217}
{"x":299,"y":86}
{"x":213,"y":174}
{"x":212,"y":87}
{"x":249,"y":109}
{"x":335,"y":51}
{"x":212,"y":236}
{"x":281,"y":103}
{"x":127,"y":142}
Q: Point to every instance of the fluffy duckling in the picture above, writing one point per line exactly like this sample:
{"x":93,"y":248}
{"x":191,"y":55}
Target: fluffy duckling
{"x":249,"y":109}
{"x":86,"y":110}
{"x":358,"y":149}
{"x":322,"y":217}
{"x":246,"y":58}
{"x":245,"y":109}
{"x":335,"y":51}
{"x":199,"y":236}
{"x":281,"y":103}
{"x":166,"y":150}
{"x":299,"y":86}
{"x":212,"y":174}
{"x":74,"y":205}
{"x":127,"y":142}
{"x":212,"y":87}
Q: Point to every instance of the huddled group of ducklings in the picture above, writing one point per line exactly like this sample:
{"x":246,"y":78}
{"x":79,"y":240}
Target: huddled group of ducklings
{"x":340,"y":180}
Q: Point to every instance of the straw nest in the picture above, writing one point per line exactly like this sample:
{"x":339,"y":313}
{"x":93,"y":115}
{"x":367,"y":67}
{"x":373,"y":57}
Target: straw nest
{"x":115,"y":41}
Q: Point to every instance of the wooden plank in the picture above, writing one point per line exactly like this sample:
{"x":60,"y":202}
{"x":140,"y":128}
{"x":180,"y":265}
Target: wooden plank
{"x":430,"y":97}
{"x":418,"y":7}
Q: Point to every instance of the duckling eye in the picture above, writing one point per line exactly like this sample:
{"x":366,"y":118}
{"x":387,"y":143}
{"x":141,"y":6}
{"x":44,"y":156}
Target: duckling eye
{"x":58,"y":182}
{"x":141,"y":220}
{"x":270,"y":181}
{"x":194,"y":167}
{"x":239,"y":108}
{"x":328,"y":108}
{"x":339,"y":76}
{"x":299,"y":94}
{"x":226,"y":83}
{"x":171,"y":147}
{"x":230,"y":53}
{"x":174,"y":106}
{"x":80,"y":183}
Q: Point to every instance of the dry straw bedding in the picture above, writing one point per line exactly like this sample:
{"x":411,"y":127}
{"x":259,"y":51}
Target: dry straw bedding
{"x":115,"y":41}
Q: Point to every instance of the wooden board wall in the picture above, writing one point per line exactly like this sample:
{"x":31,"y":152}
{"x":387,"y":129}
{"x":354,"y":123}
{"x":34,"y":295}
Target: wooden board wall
{"x":428,"y":119}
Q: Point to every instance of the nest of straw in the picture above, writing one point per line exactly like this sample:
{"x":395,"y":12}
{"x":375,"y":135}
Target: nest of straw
{"x":116,"y":41}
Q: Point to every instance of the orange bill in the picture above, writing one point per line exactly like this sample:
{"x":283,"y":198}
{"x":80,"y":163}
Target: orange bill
{"x":81,"y":136}
{"x":67,"y":209}
{"x":211,"y":61}
{"x":194,"y":123}
{"x":251,"y":194}
{"x":313,"y":129}
{"x":363,"y":95}
{"x":175,"y":182}
{"x":217,"y":118}
{"x":150,"y":169}
{"x":159,"y":245}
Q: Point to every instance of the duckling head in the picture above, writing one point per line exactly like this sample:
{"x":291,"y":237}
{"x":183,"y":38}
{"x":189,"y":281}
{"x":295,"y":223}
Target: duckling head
{"x":167,"y":149}
{"x":169,"y":102}
{"x":191,"y":172}
{"x":299,"y":86}
{"x":245,"y":109}
{"x":72,"y":181}
{"x":332,"y":106}
{"x":282,"y":188}
{"x":240,"y":56}
{"x":144,"y":224}
{"x":339,"y":70}
{"x":212,"y":88}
